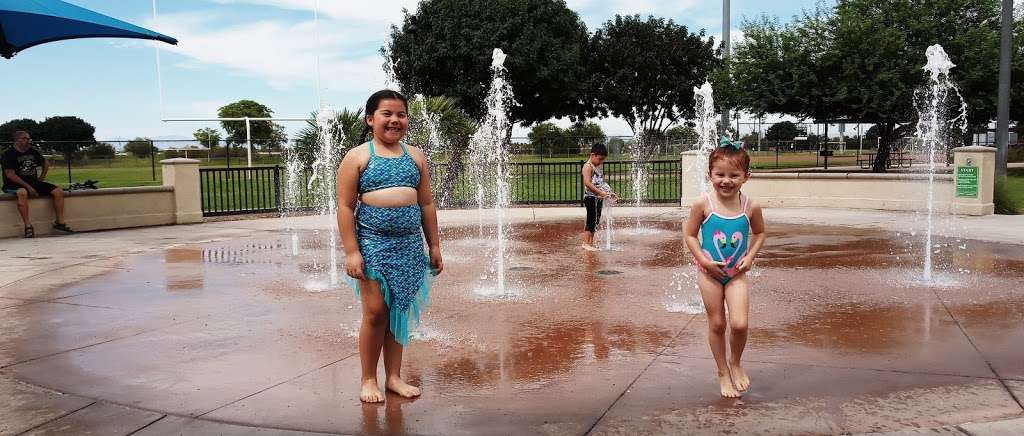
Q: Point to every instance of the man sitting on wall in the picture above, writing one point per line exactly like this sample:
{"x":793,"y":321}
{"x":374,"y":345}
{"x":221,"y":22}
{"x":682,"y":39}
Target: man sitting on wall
{"x":20,"y":164}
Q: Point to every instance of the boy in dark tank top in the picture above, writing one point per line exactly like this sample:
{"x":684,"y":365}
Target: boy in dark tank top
{"x":595,"y":190}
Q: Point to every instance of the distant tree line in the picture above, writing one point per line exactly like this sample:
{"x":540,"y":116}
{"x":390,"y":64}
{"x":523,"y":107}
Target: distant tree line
{"x":858,"y":61}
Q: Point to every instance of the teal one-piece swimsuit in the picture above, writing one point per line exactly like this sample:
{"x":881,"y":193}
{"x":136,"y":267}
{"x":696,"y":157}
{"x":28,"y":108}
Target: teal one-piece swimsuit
{"x":724,"y":239}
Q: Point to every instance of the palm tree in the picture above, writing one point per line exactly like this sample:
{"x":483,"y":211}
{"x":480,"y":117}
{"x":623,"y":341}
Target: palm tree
{"x":454,"y":129}
{"x":347,"y":127}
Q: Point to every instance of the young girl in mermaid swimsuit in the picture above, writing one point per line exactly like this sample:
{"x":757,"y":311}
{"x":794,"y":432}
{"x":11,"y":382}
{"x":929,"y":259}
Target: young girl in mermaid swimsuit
{"x":724,"y":232}
{"x":385,"y":209}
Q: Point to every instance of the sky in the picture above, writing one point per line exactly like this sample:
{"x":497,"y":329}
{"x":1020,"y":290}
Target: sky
{"x":273,"y":51}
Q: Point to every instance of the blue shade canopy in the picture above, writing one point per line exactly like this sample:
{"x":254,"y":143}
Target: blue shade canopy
{"x":27,"y":23}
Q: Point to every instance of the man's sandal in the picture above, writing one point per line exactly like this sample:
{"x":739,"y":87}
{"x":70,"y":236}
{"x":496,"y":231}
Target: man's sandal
{"x":30,"y":232}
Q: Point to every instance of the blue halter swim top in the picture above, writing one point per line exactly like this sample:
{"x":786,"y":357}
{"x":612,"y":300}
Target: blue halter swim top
{"x":724,"y":239}
{"x":388,"y":172}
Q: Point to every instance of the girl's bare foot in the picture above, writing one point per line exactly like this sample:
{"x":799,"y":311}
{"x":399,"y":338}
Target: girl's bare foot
{"x":402,"y":388}
{"x":739,"y":376}
{"x":728,"y":390}
{"x":589,"y":247}
{"x":370,"y":392}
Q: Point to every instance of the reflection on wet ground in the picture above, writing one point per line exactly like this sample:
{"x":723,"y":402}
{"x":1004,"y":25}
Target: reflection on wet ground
{"x":240,"y":331}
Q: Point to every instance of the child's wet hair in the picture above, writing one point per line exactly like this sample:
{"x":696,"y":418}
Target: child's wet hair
{"x":736,"y":157}
{"x":599,"y":149}
{"x":373,"y":103}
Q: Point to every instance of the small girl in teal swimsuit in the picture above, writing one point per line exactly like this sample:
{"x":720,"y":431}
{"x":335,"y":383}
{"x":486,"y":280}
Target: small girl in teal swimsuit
{"x":385,"y":209}
{"x":724,"y":232}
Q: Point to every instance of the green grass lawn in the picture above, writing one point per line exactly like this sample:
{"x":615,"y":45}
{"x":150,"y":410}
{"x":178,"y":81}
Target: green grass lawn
{"x":1015,"y":186}
{"x":125,"y":172}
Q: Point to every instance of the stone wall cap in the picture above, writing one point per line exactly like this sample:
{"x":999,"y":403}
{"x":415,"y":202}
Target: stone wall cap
{"x":180,"y":161}
{"x":106,"y":191}
{"x":120,"y":191}
{"x":774,"y":175}
{"x":690,"y":153}
{"x":814,"y":175}
{"x":845,"y":176}
{"x":975,"y":149}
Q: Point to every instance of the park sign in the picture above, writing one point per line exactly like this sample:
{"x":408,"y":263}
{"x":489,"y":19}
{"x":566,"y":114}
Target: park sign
{"x":967,"y":181}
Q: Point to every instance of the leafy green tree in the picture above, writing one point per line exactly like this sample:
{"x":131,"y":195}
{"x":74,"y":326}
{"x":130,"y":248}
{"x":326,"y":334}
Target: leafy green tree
{"x":681,"y":134}
{"x":209,"y":137}
{"x":29,"y":125}
{"x":445,"y":48}
{"x":66,"y":134}
{"x":862,"y":60}
{"x":776,"y":68}
{"x":872,"y":133}
{"x":616,"y":146}
{"x":547,"y":138}
{"x":781,"y":131}
{"x":644,"y":71}
{"x":266,"y":133}
{"x":140,"y":147}
{"x":585,"y":132}
{"x":100,"y":150}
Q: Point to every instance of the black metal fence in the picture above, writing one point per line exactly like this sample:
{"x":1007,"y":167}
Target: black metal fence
{"x":235,"y":191}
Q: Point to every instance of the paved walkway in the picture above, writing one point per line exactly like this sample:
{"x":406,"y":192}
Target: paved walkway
{"x":53,"y":328}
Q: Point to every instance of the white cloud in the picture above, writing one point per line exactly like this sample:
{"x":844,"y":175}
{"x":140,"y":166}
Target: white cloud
{"x":282,"y":53}
{"x":387,"y":11}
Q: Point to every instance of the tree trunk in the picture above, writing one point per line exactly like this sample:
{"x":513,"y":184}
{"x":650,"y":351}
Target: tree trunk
{"x":886,"y":134}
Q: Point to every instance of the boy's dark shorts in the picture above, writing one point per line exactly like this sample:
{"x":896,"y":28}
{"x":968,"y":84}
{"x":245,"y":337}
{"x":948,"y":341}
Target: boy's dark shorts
{"x":44,"y":189}
{"x":594,"y":206}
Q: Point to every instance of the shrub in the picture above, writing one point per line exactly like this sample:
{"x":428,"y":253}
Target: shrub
{"x":1015,"y":154}
{"x":100,"y":150}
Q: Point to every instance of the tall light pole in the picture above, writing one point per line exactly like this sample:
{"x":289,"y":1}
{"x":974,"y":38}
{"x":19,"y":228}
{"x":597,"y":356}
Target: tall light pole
{"x":1003,"y":111}
{"x":725,"y":58}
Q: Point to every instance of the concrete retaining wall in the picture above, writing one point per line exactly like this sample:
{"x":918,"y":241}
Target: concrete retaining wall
{"x":177,"y":201}
{"x":897,"y":191}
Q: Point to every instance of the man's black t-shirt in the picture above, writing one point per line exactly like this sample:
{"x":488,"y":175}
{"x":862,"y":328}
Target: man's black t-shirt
{"x":25,"y":165}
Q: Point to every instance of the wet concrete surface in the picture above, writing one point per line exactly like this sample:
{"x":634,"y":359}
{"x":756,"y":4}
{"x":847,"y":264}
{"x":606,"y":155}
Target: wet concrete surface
{"x":845,"y":337}
{"x":98,"y":419}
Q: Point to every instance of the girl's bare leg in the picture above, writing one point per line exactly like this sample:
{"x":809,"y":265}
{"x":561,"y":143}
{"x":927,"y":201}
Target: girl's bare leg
{"x":372,"y":334}
{"x":737,"y":298}
{"x":588,"y":241}
{"x":714,"y":303}
{"x":393,"y":368}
